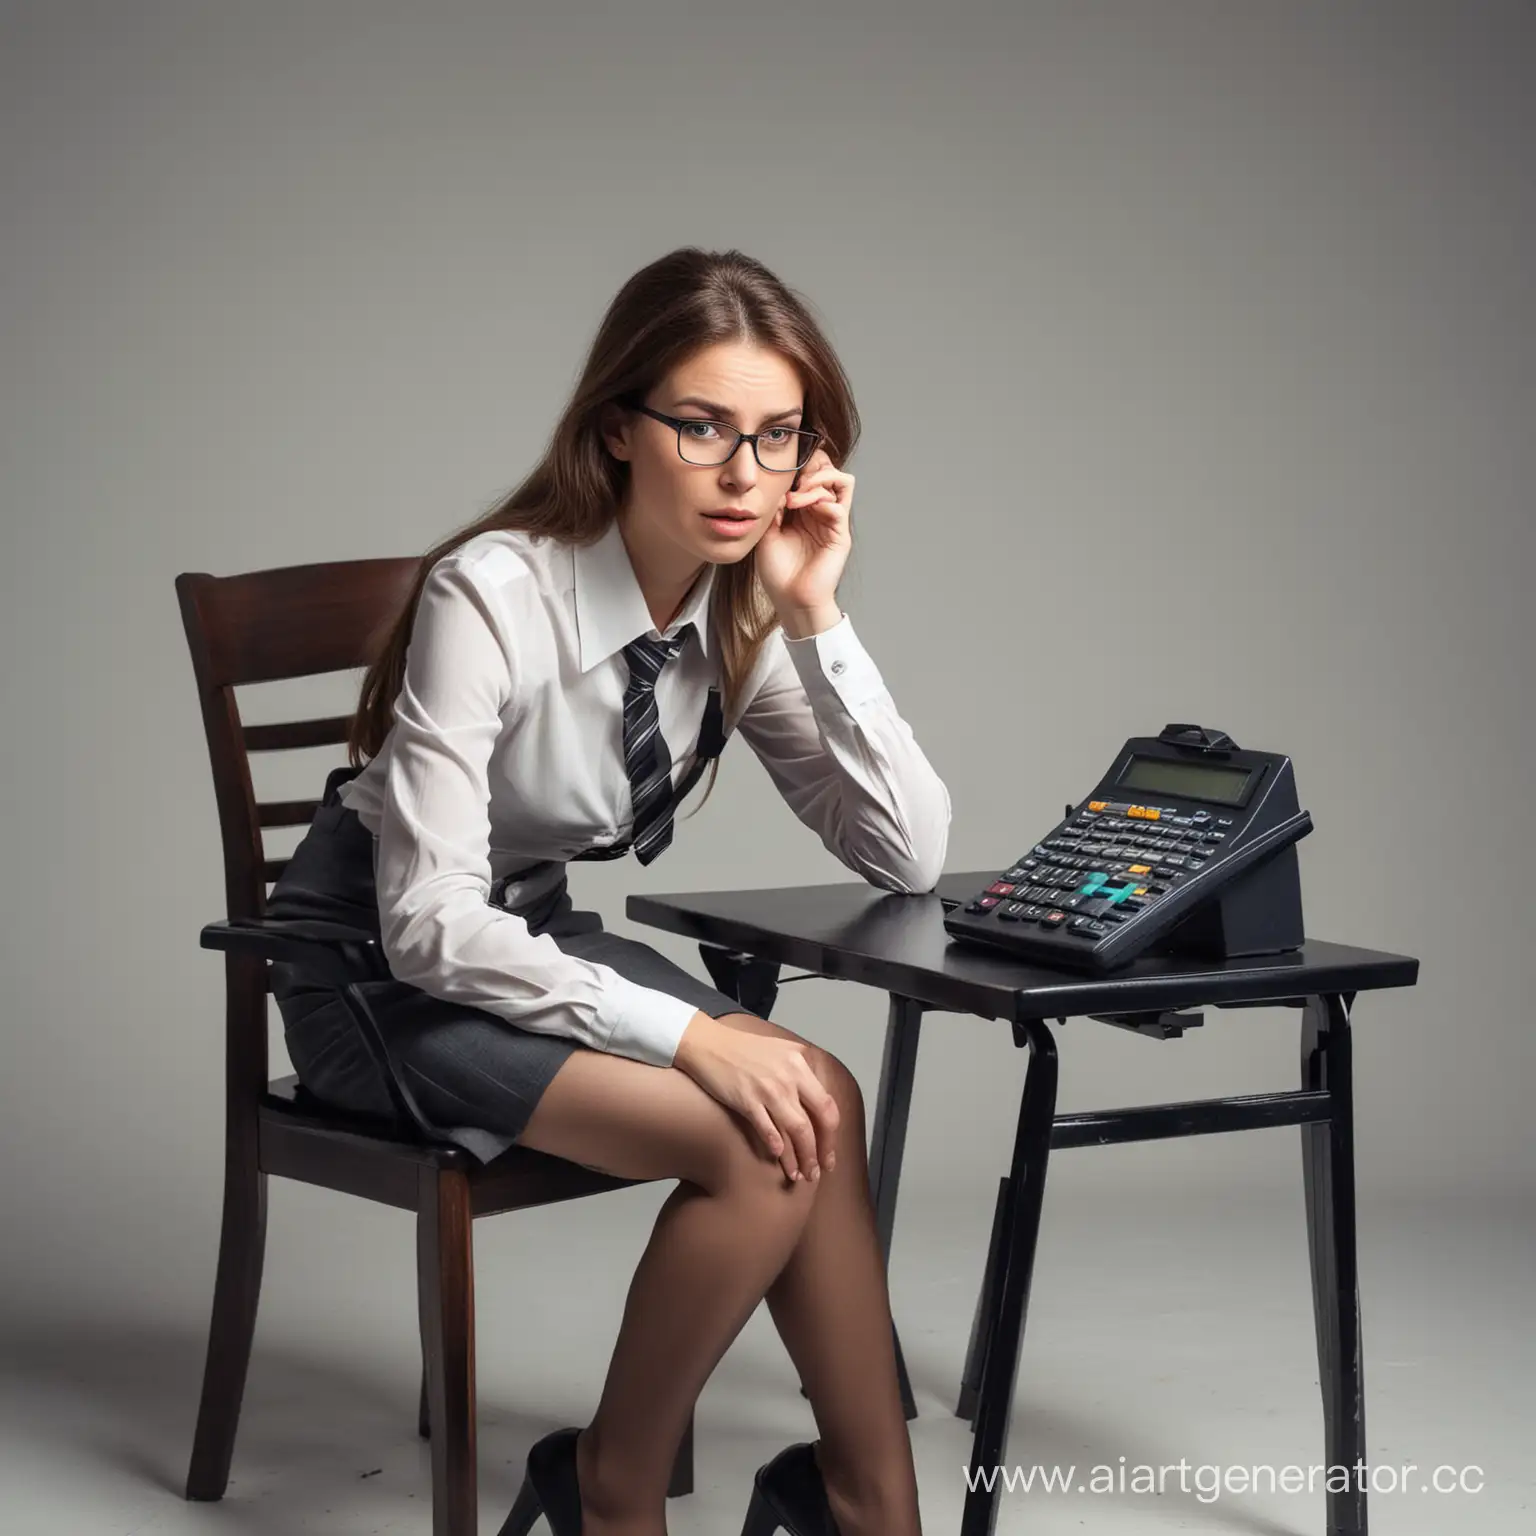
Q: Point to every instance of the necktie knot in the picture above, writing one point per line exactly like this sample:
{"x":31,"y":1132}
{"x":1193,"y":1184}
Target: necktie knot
{"x":646,"y":657}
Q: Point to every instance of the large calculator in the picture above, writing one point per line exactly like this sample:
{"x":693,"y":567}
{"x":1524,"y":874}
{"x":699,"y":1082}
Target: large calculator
{"x":1187,"y":845}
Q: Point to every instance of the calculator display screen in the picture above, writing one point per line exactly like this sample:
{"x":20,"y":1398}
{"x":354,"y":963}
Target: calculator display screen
{"x":1200,"y":781}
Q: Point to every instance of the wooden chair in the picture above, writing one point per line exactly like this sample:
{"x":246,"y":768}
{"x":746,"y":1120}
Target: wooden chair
{"x":301,"y":621}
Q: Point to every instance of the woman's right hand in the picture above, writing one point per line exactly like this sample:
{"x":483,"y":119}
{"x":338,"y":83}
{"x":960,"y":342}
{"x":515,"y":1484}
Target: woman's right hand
{"x":768,"y":1080}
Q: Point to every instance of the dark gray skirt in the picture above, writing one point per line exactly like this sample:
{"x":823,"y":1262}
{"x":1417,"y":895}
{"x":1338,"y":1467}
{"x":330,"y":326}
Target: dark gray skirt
{"x":475,"y":1077}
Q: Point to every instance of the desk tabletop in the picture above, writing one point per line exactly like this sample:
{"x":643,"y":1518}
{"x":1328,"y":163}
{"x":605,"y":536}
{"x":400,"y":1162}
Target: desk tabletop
{"x":854,"y":931}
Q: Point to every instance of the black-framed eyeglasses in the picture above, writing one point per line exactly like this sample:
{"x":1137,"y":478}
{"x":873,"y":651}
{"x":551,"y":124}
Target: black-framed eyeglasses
{"x":780,"y":450}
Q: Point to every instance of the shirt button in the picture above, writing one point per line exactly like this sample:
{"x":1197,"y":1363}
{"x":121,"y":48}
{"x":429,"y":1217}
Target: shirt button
{"x":837,"y":668}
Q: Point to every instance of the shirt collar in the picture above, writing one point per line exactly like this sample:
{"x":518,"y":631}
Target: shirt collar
{"x":610,"y":607}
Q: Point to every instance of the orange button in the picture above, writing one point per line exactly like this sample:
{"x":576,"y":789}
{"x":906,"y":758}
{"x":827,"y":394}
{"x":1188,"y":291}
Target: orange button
{"x":1097,"y":805}
{"x":1141,"y":869}
{"x":1153,"y":815}
{"x":1137,"y":810}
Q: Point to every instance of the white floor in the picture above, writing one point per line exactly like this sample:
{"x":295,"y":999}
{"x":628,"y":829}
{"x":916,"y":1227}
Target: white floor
{"x":1158,"y":1331}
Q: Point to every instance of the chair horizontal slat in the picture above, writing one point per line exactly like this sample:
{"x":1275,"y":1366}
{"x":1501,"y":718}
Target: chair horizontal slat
{"x":288,"y":734}
{"x":272,"y":869}
{"x":287,"y":813}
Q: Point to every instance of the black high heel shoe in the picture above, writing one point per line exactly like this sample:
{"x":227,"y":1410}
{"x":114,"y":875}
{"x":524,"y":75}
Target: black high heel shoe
{"x":788,"y":1494}
{"x":549,"y":1488}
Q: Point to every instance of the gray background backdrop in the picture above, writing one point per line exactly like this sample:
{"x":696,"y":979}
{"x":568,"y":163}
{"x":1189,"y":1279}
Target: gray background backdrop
{"x":1194,"y":347}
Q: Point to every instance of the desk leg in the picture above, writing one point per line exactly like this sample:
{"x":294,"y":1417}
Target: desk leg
{"x":1328,"y":1172}
{"x":986,"y":1299}
{"x":888,"y":1140}
{"x":1004,"y":1329}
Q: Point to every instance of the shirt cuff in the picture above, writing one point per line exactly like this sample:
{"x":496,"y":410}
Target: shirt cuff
{"x":641,"y":1022}
{"x":835,"y":665}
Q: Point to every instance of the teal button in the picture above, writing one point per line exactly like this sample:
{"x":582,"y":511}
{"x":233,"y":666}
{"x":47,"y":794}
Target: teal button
{"x":1117,"y":896}
{"x":1092,"y":883}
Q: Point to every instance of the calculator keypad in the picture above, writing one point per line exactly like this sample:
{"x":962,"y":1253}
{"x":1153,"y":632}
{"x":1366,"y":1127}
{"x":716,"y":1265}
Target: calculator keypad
{"x":1101,"y":868}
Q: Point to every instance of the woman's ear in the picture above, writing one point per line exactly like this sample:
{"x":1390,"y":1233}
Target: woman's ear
{"x":614,"y":426}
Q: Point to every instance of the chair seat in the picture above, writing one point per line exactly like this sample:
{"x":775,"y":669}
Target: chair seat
{"x":521,"y":1177}
{"x":289,"y":1097}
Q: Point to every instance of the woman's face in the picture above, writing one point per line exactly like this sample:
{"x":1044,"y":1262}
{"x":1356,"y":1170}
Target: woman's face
{"x":748,"y":387}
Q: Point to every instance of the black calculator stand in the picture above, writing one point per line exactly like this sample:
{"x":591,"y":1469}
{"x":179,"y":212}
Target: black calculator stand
{"x":1259,"y":913}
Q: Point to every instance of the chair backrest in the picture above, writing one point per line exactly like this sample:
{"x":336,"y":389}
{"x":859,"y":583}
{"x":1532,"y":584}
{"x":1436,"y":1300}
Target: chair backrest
{"x":261,"y":626}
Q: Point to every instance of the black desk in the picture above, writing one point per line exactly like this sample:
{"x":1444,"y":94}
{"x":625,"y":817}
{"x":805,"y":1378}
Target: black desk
{"x":854,"y":932}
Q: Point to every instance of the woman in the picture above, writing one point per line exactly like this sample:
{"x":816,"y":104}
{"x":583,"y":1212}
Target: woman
{"x":687,"y":527}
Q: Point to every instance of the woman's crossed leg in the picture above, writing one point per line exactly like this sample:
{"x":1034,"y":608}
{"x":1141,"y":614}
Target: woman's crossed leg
{"x":734,"y":1231}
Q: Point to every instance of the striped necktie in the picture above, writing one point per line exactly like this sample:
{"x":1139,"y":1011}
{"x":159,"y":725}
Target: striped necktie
{"x":646,"y":759}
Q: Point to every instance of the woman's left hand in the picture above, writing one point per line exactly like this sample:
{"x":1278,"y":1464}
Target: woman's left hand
{"x":800,"y":558}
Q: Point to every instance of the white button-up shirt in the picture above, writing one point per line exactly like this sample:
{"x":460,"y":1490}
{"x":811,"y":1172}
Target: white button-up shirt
{"x":506,"y":757}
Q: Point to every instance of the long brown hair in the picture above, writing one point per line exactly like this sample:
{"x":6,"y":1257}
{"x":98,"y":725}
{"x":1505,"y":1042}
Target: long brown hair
{"x":686,"y":300}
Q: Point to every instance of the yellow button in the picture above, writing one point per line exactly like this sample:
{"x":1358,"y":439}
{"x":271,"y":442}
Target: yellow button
{"x":1136,"y":810}
{"x":1140,"y":890}
{"x":1141,"y":869}
{"x":1153,"y":815}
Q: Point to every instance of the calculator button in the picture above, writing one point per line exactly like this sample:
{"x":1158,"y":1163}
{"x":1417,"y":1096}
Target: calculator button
{"x":1010,"y":911}
{"x":1053,"y":919}
{"x":1033,"y":914}
{"x":1174,"y":861}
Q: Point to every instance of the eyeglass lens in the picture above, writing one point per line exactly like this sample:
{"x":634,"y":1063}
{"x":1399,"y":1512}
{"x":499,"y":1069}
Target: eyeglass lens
{"x":713,"y":442}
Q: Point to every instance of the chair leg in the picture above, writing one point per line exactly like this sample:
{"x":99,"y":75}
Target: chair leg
{"x":237,"y":1288}
{"x":682,"y":1466}
{"x":446,"y":1288}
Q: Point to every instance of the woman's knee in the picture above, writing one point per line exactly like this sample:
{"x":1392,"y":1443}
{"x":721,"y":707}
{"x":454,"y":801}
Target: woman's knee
{"x":837,"y":1078}
{"x":829,"y":1070}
